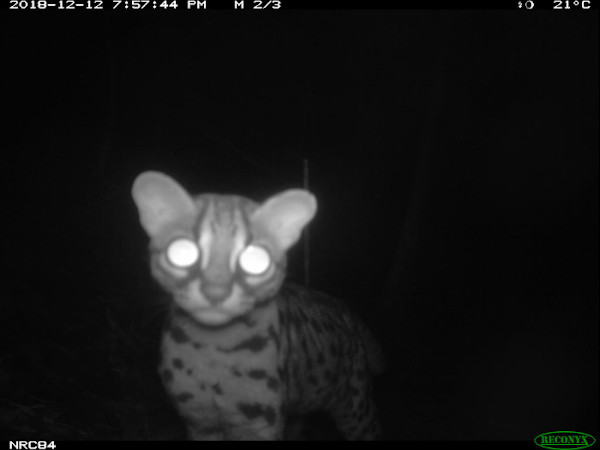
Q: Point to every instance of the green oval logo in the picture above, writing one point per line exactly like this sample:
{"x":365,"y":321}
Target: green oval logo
{"x":564,"y":440}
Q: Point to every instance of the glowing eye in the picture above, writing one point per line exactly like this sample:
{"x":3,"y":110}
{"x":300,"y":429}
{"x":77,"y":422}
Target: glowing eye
{"x":254,"y":260}
{"x":182,"y":253}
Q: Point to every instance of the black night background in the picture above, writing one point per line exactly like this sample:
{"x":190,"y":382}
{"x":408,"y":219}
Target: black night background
{"x":454,"y":156}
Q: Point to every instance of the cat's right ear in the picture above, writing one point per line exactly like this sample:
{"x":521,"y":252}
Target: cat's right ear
{"x":160,"y":201}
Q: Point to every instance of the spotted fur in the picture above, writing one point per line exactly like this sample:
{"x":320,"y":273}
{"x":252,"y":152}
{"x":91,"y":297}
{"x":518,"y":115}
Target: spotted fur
{"x":242,"y":350}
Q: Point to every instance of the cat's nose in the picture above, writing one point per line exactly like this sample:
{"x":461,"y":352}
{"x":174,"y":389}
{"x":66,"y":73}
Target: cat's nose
{"x":215,"y":292}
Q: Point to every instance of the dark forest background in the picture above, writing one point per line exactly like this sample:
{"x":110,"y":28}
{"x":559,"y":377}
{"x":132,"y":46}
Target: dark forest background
{"x":454,"y":155}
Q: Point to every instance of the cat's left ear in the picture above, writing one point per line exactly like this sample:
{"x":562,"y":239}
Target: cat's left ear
{"x":160,"y":201}
{"x":284,"y":215}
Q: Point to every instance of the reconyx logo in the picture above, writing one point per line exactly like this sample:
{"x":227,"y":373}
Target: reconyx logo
{"x":564,"y":440}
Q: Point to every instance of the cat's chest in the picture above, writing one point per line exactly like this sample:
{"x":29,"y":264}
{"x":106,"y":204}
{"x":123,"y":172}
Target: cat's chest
{"x":223,"y":369}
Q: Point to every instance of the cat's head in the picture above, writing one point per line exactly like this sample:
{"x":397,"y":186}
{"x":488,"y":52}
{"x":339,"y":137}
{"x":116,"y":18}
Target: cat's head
{"x":218,"y":255}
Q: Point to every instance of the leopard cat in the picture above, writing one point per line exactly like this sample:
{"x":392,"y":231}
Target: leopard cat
{"x":242,"y":350}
